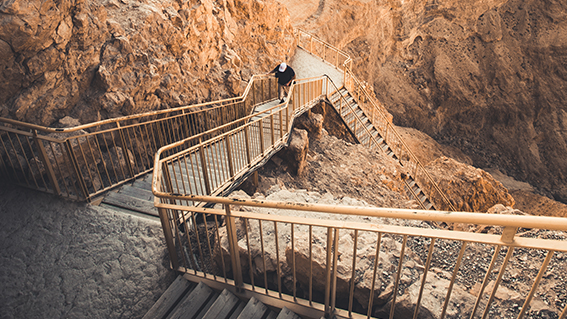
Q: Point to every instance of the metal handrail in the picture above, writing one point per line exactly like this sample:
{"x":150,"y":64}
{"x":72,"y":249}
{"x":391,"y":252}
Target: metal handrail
{"x":179,"y":209}
{"x":46,"y":129}
{"x":84,"y":161}
{"x":175,"y":219}
{"x":347,"y":67}
{"x":291,"y":108}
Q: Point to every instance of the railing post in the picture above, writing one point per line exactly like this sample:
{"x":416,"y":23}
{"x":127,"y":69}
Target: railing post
{"x":47,"y":163}
{"x":125,"y":150}
{"x":165,"y":220}
{"x":311,"y":45}
{"x":247,"y":142}
{"x":328,"y":272}
{"x":170,"y":243}
{"x":233,"y":248}
{"x":287,"y":115}
{"x":229,"y":156}
{"x":272,"y":127}
{"x":281,"y":129}
{"x":261,"y":128}
{"x":80,"y":178}
{"x":204,"y":167}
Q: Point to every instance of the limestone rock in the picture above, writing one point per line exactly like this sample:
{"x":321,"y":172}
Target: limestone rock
{"x":489,"y":26}
{"x":485,"y":77}
{"x":469,"y":189}
{"x":311,"y":122}
{"x":296,"y":152}
{"x":100,"y":59}
{"x":433,"y":298}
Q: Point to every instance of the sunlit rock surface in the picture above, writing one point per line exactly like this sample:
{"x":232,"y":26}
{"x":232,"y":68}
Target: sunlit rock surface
{"x":105,"y":58}
{"x":485,"y":76}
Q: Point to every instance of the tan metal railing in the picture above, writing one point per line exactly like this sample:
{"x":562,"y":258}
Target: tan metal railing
{"x":84,"y":161}
{"x":378,"y":116}
{"x":209,"y":165}
{"x":327,"y":273}
{"x":317,"y":264}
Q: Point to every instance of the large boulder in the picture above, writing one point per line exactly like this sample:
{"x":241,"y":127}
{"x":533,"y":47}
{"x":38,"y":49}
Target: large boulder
{"x":468,"y":188}
{"x":265,"y":259}
{"x":311,"y":122}
{"x":433,"y":299}
{"x":295,"y":154}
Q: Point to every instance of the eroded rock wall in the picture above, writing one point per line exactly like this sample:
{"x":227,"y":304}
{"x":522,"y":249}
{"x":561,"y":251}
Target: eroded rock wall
{"x":94,"y":59}
{"x":485,"y":76}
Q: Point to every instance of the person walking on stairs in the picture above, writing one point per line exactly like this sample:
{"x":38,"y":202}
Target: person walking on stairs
{"x":285,"y":75}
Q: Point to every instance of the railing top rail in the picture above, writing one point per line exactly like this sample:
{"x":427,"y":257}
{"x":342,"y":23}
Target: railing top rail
{"x":348,"y":59}
{"x":248,"y":117}
{"x":130,"y":117}
{"x":341,"y":52}
{"x":520,"y":221}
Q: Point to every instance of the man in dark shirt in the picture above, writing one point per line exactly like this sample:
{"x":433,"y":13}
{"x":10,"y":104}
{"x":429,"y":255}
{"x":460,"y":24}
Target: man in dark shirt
{"x":285,"y":75}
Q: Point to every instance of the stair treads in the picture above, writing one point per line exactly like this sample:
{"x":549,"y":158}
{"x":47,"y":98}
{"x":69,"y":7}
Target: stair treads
{"x":143,"y":184}
{"x":287,"y":314}
{"x":192,"y":304}
{"x":254,"y":310}
{"x":238,"y":310}
{"x":225,"y":305}
{"x":131,"y":203}
{"x":170,"y":297}
{"x":140,"y":193}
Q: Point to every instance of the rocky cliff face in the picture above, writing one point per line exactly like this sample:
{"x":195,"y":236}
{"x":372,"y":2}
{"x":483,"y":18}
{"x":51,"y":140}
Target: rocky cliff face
{"x":486,"y":76}
{"x":94,"y":59}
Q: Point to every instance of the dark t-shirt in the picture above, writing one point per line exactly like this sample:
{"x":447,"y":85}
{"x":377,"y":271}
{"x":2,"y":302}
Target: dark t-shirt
{"x":285,"y":76}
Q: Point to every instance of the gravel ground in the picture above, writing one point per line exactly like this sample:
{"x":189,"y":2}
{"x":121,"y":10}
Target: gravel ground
{"x":61,"y":259}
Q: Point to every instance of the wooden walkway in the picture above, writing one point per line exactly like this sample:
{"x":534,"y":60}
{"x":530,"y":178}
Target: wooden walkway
{"x":187,"y":176}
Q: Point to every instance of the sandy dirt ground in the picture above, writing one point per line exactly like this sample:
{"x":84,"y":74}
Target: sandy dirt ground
{"x":61,"y":259}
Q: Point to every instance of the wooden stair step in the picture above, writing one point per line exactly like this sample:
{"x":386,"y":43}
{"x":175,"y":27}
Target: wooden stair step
{"x":191,"y":305}
{"x":130,"y":203}
{"x":237,"y":311}
{"x":143,"y":184}
{"x":167,"y":301}
{"x":254,"y":310}
{"x":223,"y":307}
{"x":140,"y":193}
{"x":287,"y":314}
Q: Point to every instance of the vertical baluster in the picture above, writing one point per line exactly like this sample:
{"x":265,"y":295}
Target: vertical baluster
{"x":328,"y":271}
{"x":353,"y":274}
{"x":371,"y":297}
{"x":425,"y":271}
{"x":450,"y":289}
{"x":263,"y":256}
{"x":220,"y":249}
{"x":398,"y":274}
{"x":536,"y":284}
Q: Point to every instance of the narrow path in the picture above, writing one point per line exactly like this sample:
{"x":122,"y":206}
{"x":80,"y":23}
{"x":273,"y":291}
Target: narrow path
{"x":307,"y":65}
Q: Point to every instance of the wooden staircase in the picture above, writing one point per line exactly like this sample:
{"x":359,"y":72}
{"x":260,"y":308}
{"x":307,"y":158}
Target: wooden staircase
{"x":135,"y":198}
{"x":187,"y":300}
{"x":365,"y":132}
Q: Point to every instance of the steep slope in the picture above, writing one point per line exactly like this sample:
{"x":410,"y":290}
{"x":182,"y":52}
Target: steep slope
{"x":486,"y":76}
{"x":104,"y":58}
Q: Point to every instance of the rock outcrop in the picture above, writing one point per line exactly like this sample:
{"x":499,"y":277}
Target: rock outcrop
{"x":105,"y":58}
{"x":469,"y":189}
{"x":487,"y":77}
{"x":295,"y":154}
